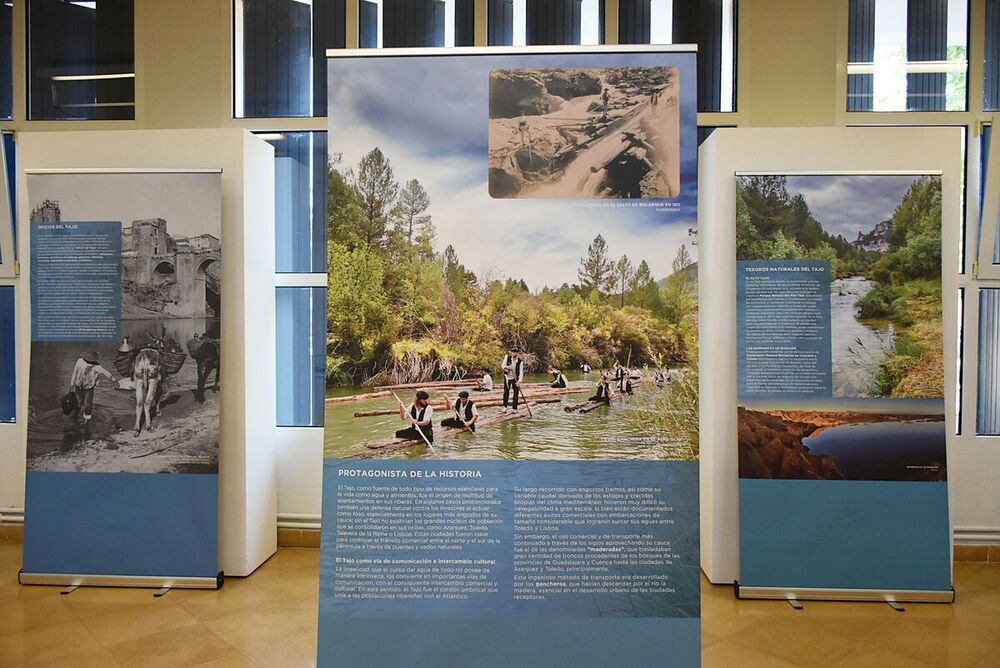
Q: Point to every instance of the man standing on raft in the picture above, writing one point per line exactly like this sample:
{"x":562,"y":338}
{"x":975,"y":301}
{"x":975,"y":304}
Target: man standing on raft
{"x":513,"y":374}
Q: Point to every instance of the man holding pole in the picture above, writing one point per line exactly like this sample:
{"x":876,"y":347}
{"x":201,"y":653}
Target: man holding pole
{"x":466,"y":414}
{"x":419,"y":414}
{"x":513,"y":374}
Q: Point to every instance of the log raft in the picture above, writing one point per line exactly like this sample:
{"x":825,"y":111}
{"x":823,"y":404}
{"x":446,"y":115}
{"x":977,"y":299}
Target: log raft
{"x":395,"y":445}
{"x":446,"y":406}
{"x":584,"y":407}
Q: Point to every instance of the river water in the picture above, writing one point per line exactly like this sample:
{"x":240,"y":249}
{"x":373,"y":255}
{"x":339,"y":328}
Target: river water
{"x":858,"y":346}
{"x":884,"y":450}
{"x":552,"y":434}
{"x":114,"y":409}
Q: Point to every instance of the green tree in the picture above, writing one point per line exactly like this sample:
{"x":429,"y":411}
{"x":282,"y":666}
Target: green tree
{"x":360,"y":319}
{"x":411,"y":211}
{"x":376,"y":189}
{"x":597,"y":269}
{"x":344,"y":214}
{"x":682,"y":260}
{"x":624,"y":271}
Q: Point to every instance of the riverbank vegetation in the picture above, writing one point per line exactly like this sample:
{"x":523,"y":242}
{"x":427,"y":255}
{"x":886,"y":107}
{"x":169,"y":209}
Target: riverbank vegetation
{"x":401,"y":310}
{"x":906,"y":275}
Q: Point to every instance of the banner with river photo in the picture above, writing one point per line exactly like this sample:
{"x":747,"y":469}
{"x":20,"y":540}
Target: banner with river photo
{"x":518,"y":227}
{"x":841,"y":423}
{"x":123,"y":397}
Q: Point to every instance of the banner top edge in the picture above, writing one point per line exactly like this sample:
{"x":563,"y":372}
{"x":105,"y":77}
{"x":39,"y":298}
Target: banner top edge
{"x":122,"y":170}
{"x":510,"y":50}
{"x":842,"y":172}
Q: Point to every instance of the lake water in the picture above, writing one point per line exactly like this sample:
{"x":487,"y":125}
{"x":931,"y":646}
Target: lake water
{"x":552,"y":433}
{"x":884,"y":450}
{"x":858,"y":346}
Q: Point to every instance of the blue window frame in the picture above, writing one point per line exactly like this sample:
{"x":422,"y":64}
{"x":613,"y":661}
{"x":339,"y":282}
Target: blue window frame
{"x":300,"y":179}
{"x":81,"y":60}
{"x":988,"y":396}
{"x":8,"y":401}
{"x":301,"y":344}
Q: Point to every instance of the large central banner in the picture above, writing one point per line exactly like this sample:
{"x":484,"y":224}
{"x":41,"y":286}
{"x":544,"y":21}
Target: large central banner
{"x":511,"y":471}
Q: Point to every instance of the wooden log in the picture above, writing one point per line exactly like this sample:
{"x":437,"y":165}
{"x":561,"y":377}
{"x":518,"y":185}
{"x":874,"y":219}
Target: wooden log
{"x":591,"y":405}
{"x":359,"y":397}
{"x":428,"y":384}
{"x":385,"y":448}
{"x":441,"y":404}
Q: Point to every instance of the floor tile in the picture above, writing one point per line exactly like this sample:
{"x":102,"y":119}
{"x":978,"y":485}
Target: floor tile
{"x":186,"y":646}
{"x":728,"y":654}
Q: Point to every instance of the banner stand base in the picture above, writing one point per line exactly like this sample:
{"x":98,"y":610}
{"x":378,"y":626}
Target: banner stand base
{"x":859,"y":595}
{"x":148,"y":581}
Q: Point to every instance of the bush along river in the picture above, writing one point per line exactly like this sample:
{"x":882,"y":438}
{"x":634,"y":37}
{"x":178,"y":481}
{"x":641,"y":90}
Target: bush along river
{"x":551,"y":434}
{"x":858,"y":346}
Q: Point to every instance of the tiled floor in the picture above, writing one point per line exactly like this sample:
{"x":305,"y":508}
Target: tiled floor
{"x":270,"y":620}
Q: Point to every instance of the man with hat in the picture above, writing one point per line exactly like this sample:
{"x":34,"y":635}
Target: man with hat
{"x":420,"y":416}
{"x":513,"y":374}
{"x":466,"y":414}
{"x":86,"y":375}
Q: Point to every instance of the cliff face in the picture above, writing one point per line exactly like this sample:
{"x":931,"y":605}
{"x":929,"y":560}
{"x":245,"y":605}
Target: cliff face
{"x":771,"y":447}
{"x":877,"y":240}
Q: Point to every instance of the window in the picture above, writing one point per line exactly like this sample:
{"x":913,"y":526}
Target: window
{"x":300,"y":314}
{"x":81,"y":60}
{"x":991,"y":101}
{"x":989,"y":206}
{"x":8,"y":207}
{"x":988,"y":397}
{"x":707,"y":23}
{"x":907,"y":55}
{"x":401,"y":23}
{"x":7,"y":59}
{"x":8,"y":401}
{"x":299,"y":201}
{"x":531,"y":22}
{"x":280,"y":55}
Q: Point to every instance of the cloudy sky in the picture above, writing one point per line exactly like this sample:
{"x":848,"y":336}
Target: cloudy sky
{"x":429,"y":117}
{"x":847,"y":204}
{"x":190,"y":203}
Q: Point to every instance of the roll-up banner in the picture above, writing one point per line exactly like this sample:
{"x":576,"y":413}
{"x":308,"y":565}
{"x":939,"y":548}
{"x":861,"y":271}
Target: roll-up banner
{"x":123,"y":397}
{"x":841,"y":423}
{"x":511,"y":456}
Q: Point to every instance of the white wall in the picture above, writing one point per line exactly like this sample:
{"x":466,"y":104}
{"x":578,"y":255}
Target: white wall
{"x":811,"y":150}
{"x":248,"y":485}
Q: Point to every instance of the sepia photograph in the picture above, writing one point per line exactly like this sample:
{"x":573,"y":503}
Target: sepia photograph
{"x":585,"y":133}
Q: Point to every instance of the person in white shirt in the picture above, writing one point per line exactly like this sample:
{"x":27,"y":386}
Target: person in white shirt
{"x":466,"y":414}
{"x":86,"y":376}
{"x":486,"y":385}
{"x":558,"y":378}
{"x":418,"y":414}
{"x":513,"y":374}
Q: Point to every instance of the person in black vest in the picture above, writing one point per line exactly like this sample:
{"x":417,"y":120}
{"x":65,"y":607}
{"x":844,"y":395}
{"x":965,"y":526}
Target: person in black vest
{"x":585,"y":367}
{"x":466,"y":414}
{"x":513,"y":374}
{"x":418,"y":414}
{"x":603,"y":390}
{"x":620,"y":374}
{"x":558,"y":378}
